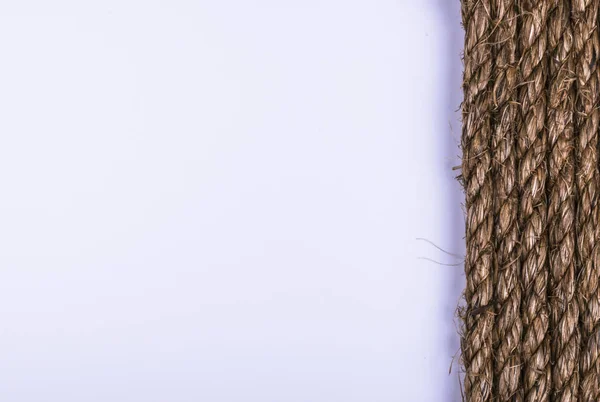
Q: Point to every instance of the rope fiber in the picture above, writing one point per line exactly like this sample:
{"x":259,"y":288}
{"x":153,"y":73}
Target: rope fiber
{"x":530,"y":172}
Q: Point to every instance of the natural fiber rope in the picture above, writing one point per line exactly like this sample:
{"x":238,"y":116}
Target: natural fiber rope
{"x":564,"y":311}
{"x":477,"y":173}
{"x":531,"y":175}
{"x":508,"y":329}
{"x":587,"y":47}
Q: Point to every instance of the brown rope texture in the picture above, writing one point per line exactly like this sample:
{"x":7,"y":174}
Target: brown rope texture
{"x":530,"y":170}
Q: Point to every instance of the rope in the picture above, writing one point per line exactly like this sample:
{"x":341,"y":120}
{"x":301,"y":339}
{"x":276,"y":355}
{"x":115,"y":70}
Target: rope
{"x":477,"y":174}
{"x":530,"y":171}
{"x":509,"y":326}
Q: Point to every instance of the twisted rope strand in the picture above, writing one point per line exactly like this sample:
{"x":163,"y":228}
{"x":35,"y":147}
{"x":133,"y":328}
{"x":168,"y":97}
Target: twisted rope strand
{"x":584,"y":14}
{"x":508,"y":326}
{"x":532,"y":217}
{"x":476,"y":171}
{"x":564,"y":310}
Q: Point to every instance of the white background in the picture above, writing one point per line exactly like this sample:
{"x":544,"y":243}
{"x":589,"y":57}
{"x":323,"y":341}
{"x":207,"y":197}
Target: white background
{"x":220,"y":201}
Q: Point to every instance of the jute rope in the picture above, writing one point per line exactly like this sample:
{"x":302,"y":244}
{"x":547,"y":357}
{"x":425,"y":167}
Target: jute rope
{"x":587,"y":47}
{"x":564,"y":312}
{"x":509,"y":327}
{"x":477,"y":173}
{"x":530,"y":170}
{"x":532,"y":174}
